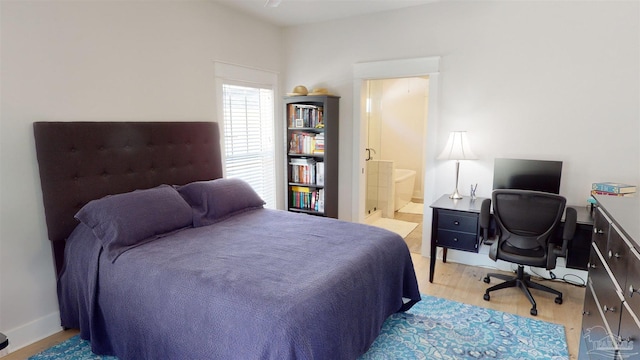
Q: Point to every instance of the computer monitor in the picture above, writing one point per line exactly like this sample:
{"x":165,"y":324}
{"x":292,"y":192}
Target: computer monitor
{"x":538,"y":175}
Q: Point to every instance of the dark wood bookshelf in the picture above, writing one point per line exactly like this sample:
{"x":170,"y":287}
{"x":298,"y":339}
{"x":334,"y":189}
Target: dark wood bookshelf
{"x":316,"y":116}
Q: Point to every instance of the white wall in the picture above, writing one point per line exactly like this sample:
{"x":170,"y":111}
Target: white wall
{"x":70,"y":61}
{"x":544,"y":80}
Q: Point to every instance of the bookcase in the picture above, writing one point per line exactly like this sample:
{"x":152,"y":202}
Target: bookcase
{"x":312,"y":154}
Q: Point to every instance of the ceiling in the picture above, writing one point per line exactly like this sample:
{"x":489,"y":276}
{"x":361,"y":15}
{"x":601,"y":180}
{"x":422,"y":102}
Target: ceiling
{"x":299,"y":12}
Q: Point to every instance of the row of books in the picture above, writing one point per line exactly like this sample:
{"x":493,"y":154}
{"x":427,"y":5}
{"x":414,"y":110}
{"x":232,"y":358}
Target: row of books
{"x":305,"y":116}
{"x":307,"y":171}
{"x":307,"y":198}
{"x":613,"y":189}
{"x":319,"y":143}
{"x":306,"y":143}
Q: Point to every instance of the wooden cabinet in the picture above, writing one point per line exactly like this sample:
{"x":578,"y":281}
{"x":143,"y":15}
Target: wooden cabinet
{"x":312,"y":154}
{"x":610,"y":324}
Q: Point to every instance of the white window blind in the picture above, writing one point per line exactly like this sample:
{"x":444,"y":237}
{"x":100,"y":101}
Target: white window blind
{"x":248,"y":138}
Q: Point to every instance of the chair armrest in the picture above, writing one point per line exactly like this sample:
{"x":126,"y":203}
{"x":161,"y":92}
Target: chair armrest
{"x":570,"y":220}
{"x":485,"y":213}
{"x":485,"y":219}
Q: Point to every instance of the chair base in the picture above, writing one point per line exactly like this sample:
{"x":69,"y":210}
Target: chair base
{"x":523,"y":281}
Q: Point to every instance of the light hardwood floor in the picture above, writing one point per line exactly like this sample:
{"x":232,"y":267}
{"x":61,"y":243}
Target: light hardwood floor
{"x":455,"y":282}
{"x":414,"y":239}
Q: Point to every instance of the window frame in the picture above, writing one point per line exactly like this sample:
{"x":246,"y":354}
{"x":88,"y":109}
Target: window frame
{"x":231,"y":74}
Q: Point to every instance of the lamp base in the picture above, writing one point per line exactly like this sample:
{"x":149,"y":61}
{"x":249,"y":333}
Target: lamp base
{"x":456,"y":195}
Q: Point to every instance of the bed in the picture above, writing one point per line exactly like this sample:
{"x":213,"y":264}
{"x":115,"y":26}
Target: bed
{"x":158,"y":256}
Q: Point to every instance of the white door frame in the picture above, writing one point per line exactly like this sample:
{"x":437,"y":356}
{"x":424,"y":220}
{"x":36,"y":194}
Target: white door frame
{"x":429,"y":66}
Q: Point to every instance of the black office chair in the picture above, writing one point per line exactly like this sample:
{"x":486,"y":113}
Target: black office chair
{"x":526,"y":224}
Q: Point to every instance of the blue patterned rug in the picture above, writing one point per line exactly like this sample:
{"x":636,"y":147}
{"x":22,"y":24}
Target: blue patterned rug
{"x":434,"y":328}
{"x":437,"y":328}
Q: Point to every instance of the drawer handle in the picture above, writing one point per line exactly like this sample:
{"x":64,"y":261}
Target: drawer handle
{"x":616,"y":255}
{"x":593,"y":266}
{"x":586,"y":312}
{"x":455,"y":239}
{"x":632,"y":291}
{"x":456,"y":222}
{"x":597,"y":231}
{"x":606,"y":308}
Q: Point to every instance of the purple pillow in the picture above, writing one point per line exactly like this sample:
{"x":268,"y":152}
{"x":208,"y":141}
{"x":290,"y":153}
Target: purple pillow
{"x":126,"y":220}
{"x":216,"y":200}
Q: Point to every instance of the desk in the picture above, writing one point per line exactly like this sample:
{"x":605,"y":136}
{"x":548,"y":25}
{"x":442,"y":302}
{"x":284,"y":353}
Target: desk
{"x":455,"y":224}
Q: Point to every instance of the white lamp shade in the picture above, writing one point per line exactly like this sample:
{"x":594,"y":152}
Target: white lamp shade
{"x":457,"y":147}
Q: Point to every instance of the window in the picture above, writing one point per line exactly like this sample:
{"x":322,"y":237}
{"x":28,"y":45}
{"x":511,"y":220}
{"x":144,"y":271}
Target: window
{"x":248,"y":132}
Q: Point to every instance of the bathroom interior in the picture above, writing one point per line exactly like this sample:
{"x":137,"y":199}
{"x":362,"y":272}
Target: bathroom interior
{"x":396,"y":129}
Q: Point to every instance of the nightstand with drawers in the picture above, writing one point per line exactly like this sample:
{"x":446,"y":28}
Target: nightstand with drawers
{"x":455,"y":224}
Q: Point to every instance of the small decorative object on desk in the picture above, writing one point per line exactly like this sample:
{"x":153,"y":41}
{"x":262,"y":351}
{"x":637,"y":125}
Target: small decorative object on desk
{"x":473,"y":191}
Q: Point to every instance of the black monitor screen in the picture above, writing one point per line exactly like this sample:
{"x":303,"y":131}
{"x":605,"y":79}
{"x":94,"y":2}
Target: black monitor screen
{"x":539,"y":175}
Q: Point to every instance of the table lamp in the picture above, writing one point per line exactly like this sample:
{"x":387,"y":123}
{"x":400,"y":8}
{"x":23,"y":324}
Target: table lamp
{"x":457,"y":149}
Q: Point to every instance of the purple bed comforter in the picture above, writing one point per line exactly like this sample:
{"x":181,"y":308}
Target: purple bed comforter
{"x":264,"y":284}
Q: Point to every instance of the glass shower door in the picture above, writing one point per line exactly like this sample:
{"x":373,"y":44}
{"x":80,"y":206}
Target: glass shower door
{"x":374,"y":92}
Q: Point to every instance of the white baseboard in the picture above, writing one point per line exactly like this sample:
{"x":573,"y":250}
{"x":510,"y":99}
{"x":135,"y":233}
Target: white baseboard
{"x":32,"y":332}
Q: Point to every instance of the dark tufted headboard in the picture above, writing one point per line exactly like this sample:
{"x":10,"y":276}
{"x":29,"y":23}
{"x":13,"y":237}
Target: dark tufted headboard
{"x":82,"y":161}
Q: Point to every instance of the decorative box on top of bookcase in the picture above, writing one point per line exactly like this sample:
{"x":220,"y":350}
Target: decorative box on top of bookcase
{"x":312,"y":154}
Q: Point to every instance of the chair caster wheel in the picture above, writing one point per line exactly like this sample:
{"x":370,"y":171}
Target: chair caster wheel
{"x":558,"y":300}
{"x":486,"y":297}
{"x":534,"y":312}
{"x":486,"y":279}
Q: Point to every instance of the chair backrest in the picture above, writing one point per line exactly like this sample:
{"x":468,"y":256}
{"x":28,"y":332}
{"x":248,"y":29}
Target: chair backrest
{"x":527,"y":218}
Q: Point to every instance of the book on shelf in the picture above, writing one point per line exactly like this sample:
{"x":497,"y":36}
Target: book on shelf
{"x":306,"y":198}
{"x":320,"y":173}
{"x":613,"y":188}
{"x":319,"y":144}
{"x":305,"y":116}
{"x":303,"y":170}
{"x":306,"y":143}
{"x":320,"y":201}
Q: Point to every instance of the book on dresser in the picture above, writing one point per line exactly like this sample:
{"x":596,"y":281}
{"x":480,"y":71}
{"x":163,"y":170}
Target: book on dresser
{"x":312,"y":154}
{"x":606,"y":188}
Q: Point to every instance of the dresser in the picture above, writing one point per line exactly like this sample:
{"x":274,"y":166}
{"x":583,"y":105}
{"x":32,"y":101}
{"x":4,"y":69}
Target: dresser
{"x":610,"y":323}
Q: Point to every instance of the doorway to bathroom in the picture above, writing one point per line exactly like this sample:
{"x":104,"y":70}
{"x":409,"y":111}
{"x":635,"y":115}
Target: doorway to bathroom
{"x":396,"y":114}
{"x":428,"y":67}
